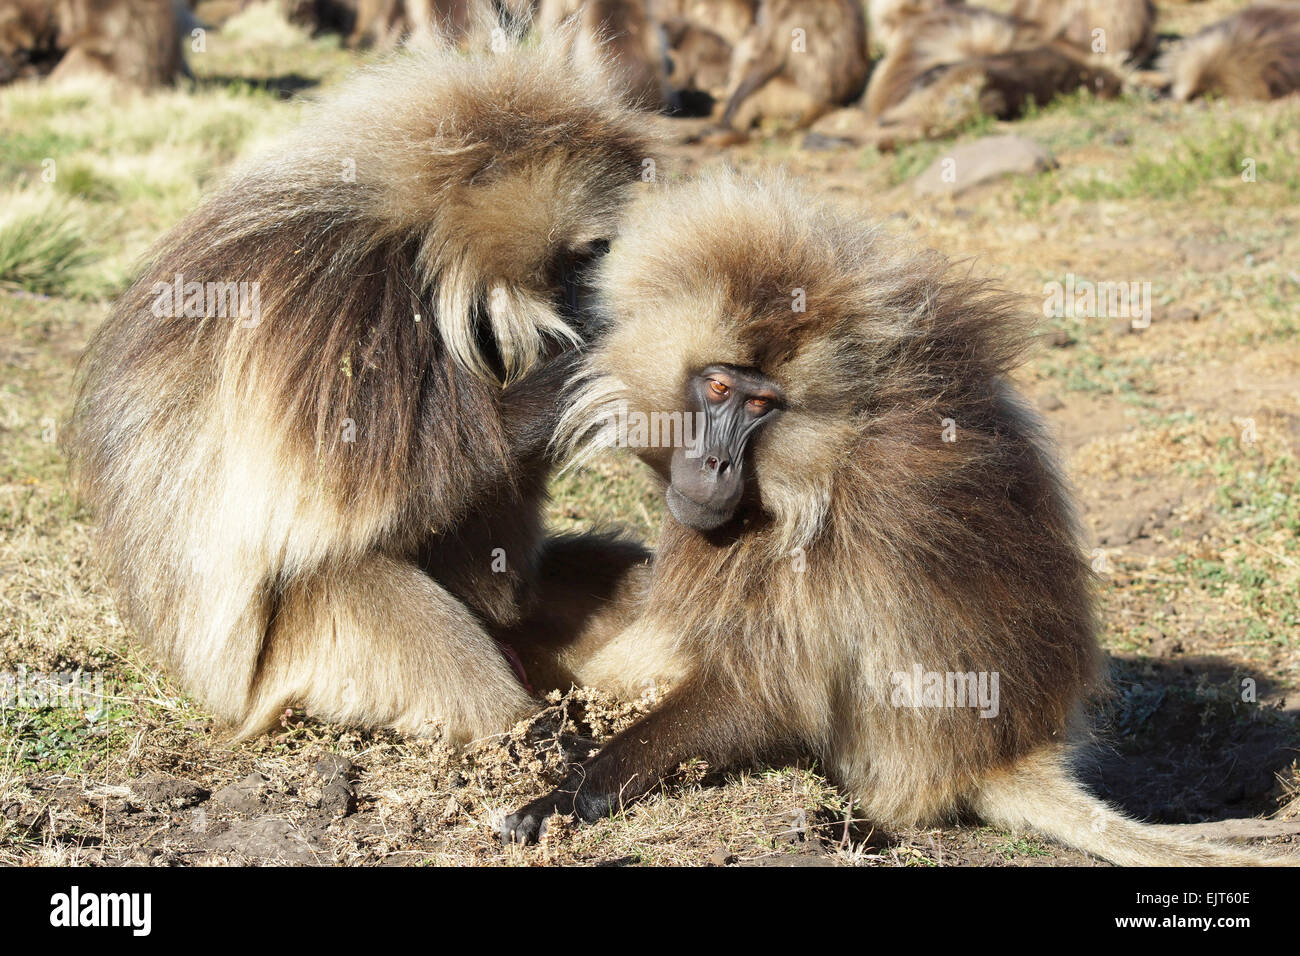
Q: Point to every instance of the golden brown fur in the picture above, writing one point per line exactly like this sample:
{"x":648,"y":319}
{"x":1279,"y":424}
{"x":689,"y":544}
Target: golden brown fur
{"x":1253,"y":55}
{"x":888,"y":18}
{"x":385,"y":23}
{"x":135,"y":41}
{"x":333,"y":499}
{"x":29,"y":38}
{"x":701,"y":58}
{"x":701,"y":36}
{"x":618,"y":33}
{"x":870,"y":544}
{"x":729,"y":19}
{"x":799,"y":60}
{"x":1127,"y":27}
{"x":936,"y":39}
{"x":954,"y":65}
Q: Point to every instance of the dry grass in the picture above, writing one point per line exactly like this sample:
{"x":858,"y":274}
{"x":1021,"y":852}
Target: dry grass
{"x":1183,"y":443}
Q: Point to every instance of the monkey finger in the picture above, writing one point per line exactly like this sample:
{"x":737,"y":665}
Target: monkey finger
{"x":528,"y":825}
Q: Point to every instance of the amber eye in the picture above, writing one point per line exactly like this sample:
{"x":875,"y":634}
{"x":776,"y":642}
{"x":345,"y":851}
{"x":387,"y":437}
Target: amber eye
{"x":758,"y":406}
{"x":717,"y":388}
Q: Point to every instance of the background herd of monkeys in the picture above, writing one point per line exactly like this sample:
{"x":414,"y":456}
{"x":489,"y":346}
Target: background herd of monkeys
{"x":942,"y":63}
{"x":339,"y":506}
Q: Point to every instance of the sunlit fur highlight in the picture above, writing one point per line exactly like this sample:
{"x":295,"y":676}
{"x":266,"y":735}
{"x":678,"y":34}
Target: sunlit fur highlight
{"x":888,"y":18}
{"x":1252,"y":55}
{"x":135,"y":41}
{"x":1128,"y":25}
{"x":873,"y":544}
{"x":617,"y":35}
{"x":304,"y":510}
{"x":770,"y":79}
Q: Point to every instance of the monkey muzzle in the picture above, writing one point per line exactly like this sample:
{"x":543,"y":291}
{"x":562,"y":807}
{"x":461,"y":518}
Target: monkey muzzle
{"x":707,"y":476}
{"x":705,"y":490}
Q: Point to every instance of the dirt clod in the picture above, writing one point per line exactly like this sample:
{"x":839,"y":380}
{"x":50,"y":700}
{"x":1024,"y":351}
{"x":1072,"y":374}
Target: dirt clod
{"x":248,"y":795}
{"x":161,"y":789}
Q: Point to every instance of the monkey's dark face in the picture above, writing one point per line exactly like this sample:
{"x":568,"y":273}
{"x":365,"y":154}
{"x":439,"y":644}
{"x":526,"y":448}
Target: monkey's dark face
{"x":708,"y":477}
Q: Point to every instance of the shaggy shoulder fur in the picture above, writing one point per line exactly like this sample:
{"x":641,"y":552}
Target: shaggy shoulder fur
{"x":1253,"y":55}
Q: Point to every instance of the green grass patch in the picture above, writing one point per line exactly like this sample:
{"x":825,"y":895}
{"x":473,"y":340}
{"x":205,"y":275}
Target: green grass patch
{"x":43,"y":246}
{"x":50,"y":731}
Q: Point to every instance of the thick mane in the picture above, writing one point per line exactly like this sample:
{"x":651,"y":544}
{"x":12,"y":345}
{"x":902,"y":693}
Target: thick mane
{"x":1254,"y":54}
{"x":347,"y":357}
{"x":907,"y":510}
{"x":773,"y":273}
{"x":942,"y":36}
{"x":368,"y":217}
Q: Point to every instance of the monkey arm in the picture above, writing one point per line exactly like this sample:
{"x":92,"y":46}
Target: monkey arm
{"x":705,"y":716}
{"x":754,"y":79}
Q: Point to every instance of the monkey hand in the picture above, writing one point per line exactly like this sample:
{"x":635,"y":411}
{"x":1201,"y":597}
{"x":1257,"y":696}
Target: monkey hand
{"x":529,"y":824}
{"x":569,"y":798}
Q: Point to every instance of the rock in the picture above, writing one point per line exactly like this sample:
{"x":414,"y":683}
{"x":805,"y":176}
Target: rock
{"x":451,"y":809}
{"x":1057,"y":339}
{"x":266,"y":838}
{"x":1165,"y":647}
{"x":144,"y":855}
{"x":1120,"y":531}
{"x":972,"y":164}
{"x":1119,"y":137}
{"x":1050,"y":403}
{"x":163,"y":789}
{"x":1169,"y":313}
{"x":721,"y":857}
{"x":244,"y":796}
{"x":338,"y":798}
{"x":332,"y":767}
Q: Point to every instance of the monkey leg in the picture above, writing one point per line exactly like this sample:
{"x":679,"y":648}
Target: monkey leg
{"x":703,"y":717}
{"x":779,"y":98}
{"x":581,"y":628}
{"x":381,"y":643}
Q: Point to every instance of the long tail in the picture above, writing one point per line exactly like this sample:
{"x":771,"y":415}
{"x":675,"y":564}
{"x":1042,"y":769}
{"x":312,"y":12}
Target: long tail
{"x":1040,"y":794}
